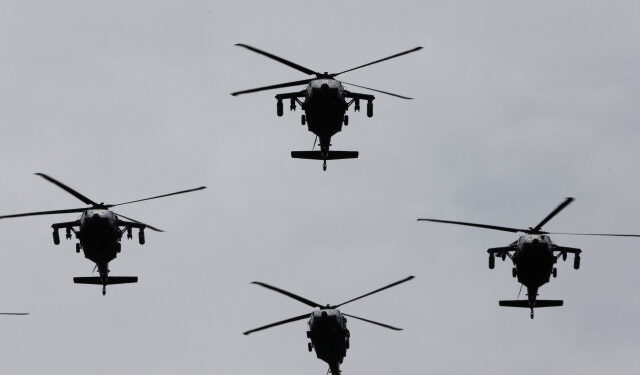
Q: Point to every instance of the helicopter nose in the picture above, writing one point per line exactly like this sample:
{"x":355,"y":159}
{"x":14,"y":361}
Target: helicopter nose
{"x":532,"y":245}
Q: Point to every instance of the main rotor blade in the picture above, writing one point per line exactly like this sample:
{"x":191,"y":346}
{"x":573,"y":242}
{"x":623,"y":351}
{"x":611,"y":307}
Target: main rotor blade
{"x":288,"y":294}
{"x":380,"y":91}
{"x":67,"y":189}
{"x":277,"y":86}
{"x":139,"y":222}
{"x":381,"y":60}
{"x":14,"y":313}
{"x":279,"y":59}
{"x":159,"y":196}
{"x":277,"y":323}
{"x":597,"y":234}
{"x":38,"y":213}
{"x":375,"y":291}
{"x":552,"y":214}
{"x":486,"y":226}
{"x":372,"y":322}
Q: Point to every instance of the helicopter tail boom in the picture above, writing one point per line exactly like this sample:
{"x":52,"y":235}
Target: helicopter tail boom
{"x":318,"y":155}
{"x":537,"y":303}
{"x":110,"y":280}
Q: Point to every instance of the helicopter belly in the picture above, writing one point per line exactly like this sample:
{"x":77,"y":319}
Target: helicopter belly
{"x":100,"y":246}
{"x":330,"y":346}
{"x":534,"y":268}
{"x":325,"y":117}
{"x":100,"y":253}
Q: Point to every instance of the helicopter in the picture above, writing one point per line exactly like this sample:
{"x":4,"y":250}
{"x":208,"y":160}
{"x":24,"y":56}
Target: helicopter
{"x":98,"y":231}
{"x":325,"y":102}
{"x":534,"y":257}
{"x":328,"y":333}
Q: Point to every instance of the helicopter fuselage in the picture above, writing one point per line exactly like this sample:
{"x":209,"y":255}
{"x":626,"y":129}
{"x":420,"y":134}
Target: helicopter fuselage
{"x":329,"y":337}
{"x":99,"y":235}
{"x":98,"y":231}
{"x":325,"y":103}
{"x":534,"y":260}
{"x":327,"y":326}
{"x":534,"y":256}
{"x":325,"y":107}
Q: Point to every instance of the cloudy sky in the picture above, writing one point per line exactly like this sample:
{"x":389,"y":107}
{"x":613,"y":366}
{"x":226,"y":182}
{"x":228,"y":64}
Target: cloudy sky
{"x":517,"y":107}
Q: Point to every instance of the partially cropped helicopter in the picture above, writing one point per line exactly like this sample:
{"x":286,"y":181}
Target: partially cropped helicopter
{"x":99,"y":231}
{"x":534,"y":256}
{"x":328,"y":331}
{"x":325,"y":103}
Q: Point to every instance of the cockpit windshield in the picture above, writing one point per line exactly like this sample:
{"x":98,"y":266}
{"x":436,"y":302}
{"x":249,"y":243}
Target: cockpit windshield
{"x":331,"y":83}
{"x":100,"y":213}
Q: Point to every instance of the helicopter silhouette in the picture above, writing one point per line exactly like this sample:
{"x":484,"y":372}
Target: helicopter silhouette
{"x":99,"y":231}
{"x":328,"y":331}
{"x":534,"y":256}
{"x":325,"y":102}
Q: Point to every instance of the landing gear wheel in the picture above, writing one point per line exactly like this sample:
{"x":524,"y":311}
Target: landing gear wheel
{"x":531,"y":315}
{"x":78,"y":247}
{"x":303,"y":120}
{"x":104,"y":290}
{"x":309,"y":346}
{"x":324,"y":166}
{"x":346,"y":120}
{"x":514,"y":272}
{"x":555,"y":272}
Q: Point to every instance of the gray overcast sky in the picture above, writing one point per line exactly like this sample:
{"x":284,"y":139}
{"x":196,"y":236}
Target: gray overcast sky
{"x":517,"y":107}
